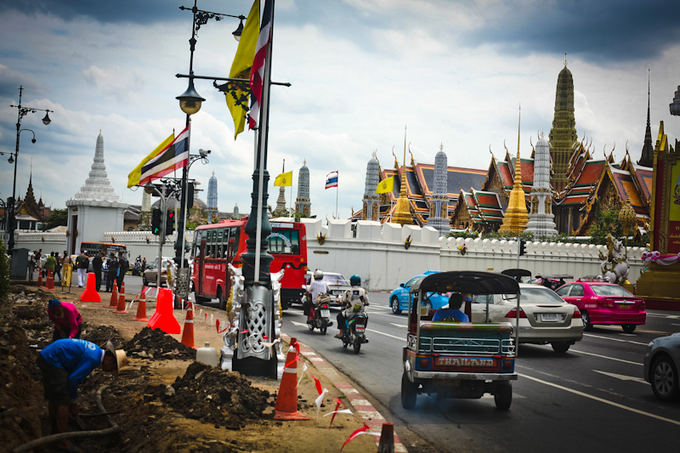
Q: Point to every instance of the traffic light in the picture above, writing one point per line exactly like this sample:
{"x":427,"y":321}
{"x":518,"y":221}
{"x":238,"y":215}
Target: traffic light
{"x":170,"y":223}
{"x":156,"y":221}
{"x":522,"y":247}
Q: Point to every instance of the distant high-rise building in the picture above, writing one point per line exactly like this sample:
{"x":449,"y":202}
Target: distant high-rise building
{"x":563,"y":133}
{"x":212,"y":198}
{"x":302,"y":203}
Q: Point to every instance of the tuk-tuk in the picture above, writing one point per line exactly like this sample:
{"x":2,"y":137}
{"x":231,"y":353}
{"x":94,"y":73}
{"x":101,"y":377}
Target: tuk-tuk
{"x":459,"y":360}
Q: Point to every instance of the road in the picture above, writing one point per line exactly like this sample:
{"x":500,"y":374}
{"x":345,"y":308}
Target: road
{"x":591,"y":399}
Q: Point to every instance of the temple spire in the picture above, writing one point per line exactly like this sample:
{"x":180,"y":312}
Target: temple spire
{"x":647,"y":155}
{"x":402,"y":211}
{"x":516,"y":216}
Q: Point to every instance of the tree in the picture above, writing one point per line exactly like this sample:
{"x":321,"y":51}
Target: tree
{"x":606,"y":221}
{"x":58,"y":217}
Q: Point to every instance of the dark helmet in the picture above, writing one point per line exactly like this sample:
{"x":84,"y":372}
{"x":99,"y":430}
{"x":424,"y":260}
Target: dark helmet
{"x":355,"y":280}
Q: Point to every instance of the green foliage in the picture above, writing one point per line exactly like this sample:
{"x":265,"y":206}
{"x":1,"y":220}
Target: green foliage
{"x":4,"y":273}
{"x":606,"y":222}
{"x":463,"y":234}
{"x":58,"y":217}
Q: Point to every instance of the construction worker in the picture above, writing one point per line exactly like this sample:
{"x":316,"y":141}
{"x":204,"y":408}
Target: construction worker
{"x":66,"y":318}
{"x":64,"y":365}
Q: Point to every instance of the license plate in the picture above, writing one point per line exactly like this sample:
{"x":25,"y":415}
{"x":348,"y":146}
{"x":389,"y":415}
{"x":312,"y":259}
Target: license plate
{"x":465,"y":362}
{"x":325,"y":313}
{"x":625,"y":306}
{"x":549,"y":317}
{"x":360,"y":328}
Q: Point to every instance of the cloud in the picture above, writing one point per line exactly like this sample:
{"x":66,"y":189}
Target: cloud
{"x":115,"y":82}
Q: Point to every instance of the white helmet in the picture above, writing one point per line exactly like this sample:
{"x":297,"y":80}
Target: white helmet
{"x":318,"y":274}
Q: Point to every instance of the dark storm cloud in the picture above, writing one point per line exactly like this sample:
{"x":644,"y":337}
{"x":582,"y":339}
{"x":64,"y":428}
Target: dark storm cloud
{"x":608,"y":30}
{"x":139,"y":11}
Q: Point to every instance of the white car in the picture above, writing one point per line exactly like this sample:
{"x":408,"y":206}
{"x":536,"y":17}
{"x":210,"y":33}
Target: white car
{"x":337,"y":284}
{"x":544,"y":316}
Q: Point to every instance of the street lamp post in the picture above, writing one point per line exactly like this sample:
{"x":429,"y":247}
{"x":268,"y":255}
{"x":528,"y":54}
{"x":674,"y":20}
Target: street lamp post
{"x":22,"y":111}
{"x":190,"y":102}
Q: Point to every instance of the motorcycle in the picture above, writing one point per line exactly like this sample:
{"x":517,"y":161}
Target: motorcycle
{"x":355,"y":332}
{"x":320,"y":317}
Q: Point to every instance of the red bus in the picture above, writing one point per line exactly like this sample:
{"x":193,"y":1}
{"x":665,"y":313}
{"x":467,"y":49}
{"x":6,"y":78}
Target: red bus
{"x":217,"y":244}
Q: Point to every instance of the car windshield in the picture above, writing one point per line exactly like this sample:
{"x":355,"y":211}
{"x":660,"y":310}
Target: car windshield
{"x":610,"y":290}
{"x":335,"y":279}
{"x":536,"y":295}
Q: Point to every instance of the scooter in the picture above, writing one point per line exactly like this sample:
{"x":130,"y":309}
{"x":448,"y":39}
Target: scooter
{"x":355,"y":332}
{"x":320,"y":317}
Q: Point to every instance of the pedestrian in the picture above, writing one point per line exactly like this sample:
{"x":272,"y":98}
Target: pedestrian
{"x":66,"y":269}
{"x":57,"y":270}
{"x":97,"y":269}
{"x":66,"y":318}
{"x":50,"y":264}
{"x":64,"y":365}
{"x":31,"y":265}
{"x":82,"y":263}
{"x":143,"y":264}
{"x":112,"y":264}
{"x":123,"y":266}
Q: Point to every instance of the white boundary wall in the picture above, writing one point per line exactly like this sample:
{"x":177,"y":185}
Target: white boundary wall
{"x":377,"y":252}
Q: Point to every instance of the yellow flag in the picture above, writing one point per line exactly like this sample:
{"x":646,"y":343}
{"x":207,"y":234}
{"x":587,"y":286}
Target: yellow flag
{"x":238,"y":94}
{"x":133,"y":177}
{"x":386,"y":185}
{"x":284,"y":179}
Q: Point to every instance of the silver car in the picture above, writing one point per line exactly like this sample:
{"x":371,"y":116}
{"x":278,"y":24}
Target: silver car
{"x":662,"y":360}
{"x":337,"y":284}
{"x":544,"y":316}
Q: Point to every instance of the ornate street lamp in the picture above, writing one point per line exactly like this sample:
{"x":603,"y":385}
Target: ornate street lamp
{"x":22,"y":111}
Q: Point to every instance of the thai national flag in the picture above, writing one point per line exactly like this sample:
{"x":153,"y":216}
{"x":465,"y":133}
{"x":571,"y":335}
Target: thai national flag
{"x":257,"y":70}
{"x":332,"y":180}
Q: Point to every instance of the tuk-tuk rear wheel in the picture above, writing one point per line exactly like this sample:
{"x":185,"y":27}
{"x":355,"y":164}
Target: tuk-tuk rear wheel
{"x":409,"y":392}
{"x":503,"y":395}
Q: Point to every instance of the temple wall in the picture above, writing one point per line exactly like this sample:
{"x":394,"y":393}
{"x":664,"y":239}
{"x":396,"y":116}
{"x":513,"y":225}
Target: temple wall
{"x":377,"y":253}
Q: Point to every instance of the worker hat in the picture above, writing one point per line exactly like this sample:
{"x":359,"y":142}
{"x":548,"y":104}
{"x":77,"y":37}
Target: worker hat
{"x":119,"y":354}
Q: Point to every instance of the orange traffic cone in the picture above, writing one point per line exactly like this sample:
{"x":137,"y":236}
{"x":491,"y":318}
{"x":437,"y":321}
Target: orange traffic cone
{"x":49,"y":283}
{"x":90,"y":294}
{"x":39,"y":278}
{"x":120,"y":308}
{"x":386,"y":444}
{"x":113,"y":302}
{"x":286,"y":400}
{"x":188,"y":332}
{"x":141,"y":309}
{"x":122,"y":288}
{"x":164,"y":318}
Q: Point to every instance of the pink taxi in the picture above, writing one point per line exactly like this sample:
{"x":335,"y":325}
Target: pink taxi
{"x":605,"y":303}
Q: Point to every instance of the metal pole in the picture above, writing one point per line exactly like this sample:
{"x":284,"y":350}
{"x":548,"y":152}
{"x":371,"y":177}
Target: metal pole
{"x":12,"y":217}
{"x":337,"y":189}
{"x":519,"y":246}
{"x":161,"y":237}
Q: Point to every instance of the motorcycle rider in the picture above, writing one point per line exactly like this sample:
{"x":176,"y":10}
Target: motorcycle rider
{"x":353,"y":301}
{"x":317,"y":288}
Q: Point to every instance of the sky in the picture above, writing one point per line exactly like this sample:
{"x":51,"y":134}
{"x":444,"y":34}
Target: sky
{"x":449,"y":73}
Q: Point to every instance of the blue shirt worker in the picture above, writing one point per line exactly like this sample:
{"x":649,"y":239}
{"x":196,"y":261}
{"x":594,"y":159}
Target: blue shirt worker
{"x":64,"y":365}
{"x":453,"y":313}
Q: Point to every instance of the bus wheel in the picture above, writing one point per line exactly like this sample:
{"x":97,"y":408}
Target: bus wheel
{"x":220,"y":298}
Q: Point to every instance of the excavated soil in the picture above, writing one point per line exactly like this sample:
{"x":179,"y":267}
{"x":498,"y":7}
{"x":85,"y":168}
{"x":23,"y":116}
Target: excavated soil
{"x":162,"y":400}
{"x":156,"y":344}
{"x":222,"y":398}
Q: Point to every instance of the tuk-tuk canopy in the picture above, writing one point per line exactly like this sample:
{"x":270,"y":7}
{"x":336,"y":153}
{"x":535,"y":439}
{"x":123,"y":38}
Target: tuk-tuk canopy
{"x":517,"y":272}
{"x":473,"y":282}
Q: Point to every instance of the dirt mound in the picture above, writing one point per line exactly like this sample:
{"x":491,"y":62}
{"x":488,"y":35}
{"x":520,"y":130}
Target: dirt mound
{"x":101,"y":334}
{"x":30,"y":313}
{"x":20,"y":393}
{"x":156,"y":344}
{"x":218,"y":397}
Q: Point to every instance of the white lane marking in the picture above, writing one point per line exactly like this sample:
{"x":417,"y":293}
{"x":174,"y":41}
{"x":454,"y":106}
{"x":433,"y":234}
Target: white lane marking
{"x":675,"y":324}
{"x":672,"y":316}
{"x":604,"y":357}
{"x":387,"y":334}
{"x":622,"y":377}
{"x":659,"y":315}
{"x":613,"y":339}
{"x":602,"y":400}
{"x":655,"y":332}
{"x":301,"y":324}
{"x":398,"y":325}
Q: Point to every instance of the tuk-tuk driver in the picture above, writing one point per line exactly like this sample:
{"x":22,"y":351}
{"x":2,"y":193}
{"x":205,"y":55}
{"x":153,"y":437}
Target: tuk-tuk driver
{"x":453,"y":313}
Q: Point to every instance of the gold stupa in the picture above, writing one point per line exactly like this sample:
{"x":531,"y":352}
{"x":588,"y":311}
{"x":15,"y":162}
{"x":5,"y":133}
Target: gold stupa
{"x":516,"y":216}
{"x":402,"y":210}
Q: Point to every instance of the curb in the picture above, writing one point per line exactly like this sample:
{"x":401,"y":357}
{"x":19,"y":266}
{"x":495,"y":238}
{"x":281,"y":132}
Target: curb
{"x":362,"y":406}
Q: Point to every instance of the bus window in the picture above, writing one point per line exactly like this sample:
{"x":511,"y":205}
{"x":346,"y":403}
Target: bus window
{"x":234,"y":238}
{"x":284,"y":242}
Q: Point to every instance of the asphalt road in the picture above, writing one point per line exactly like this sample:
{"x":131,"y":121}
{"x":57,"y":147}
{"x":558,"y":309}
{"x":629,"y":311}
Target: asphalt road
{"x":591,"y":399}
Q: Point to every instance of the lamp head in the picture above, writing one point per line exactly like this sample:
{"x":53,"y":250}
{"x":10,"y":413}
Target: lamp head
{"x":239,"y":30}
{"x":11,"y":159}
{"x":190,"y":101}
{"x":33,"y":140}
{"x":46,"y":119}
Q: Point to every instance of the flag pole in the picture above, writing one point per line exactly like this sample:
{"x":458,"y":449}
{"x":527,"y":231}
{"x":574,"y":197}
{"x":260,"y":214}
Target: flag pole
{"x":337,"y":188}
